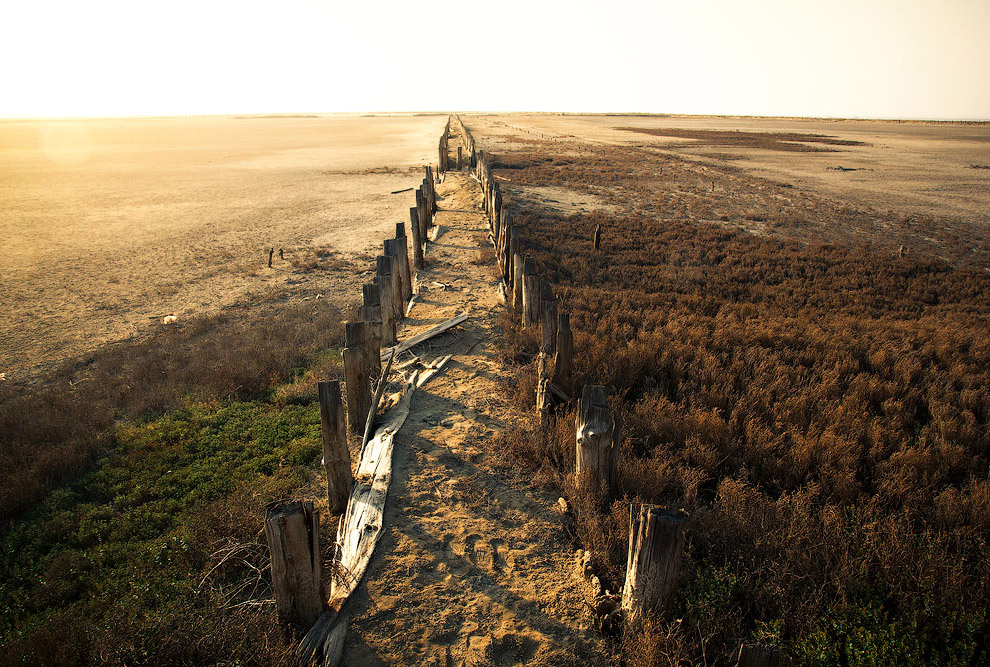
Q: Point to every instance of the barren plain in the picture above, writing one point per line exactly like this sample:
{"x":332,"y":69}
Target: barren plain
{"x":107,"y":226}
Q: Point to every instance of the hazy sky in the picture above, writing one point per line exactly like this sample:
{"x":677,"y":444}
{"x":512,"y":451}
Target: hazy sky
{"x":855,"y":58}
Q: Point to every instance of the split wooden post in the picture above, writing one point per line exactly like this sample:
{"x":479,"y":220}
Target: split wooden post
{"x":371,"y":312}
{"x":417,"y":238}
{"x":293,"y":532}
{"x":758,"y":656}
{"x":598,"y":237}
{"x":531,"y":294}
{"x":357,"y":373}
{"x":598,"y":436}
{"x":336,"y":456}
{"x":393,"y":249}
{"x":548,"y":319}
{"x":564,"y":358}
{"x":656,"y":541}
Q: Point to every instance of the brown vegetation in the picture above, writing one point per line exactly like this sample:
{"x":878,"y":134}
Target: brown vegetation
{"x":771,"y":141}
{"x":816,"y":402}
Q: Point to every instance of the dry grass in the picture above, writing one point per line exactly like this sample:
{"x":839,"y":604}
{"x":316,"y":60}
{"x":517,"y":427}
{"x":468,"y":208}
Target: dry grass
{"x":51,"y":433}
{"x":771,"y":141}
{"x":819,"y":407}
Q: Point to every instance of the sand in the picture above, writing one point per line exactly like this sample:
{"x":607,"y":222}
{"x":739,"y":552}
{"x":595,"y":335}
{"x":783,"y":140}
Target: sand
{"x":107,"y":226}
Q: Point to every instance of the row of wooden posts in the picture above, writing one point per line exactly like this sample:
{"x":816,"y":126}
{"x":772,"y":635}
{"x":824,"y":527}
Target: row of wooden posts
{"x":292,"y":527}
{"x":656,"y":534}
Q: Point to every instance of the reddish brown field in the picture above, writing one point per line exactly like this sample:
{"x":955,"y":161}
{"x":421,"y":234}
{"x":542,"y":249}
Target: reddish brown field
{"x":799,"y":363}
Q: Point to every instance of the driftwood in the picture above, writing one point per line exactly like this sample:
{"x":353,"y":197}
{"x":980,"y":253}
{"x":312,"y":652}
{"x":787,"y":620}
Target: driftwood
{"x":656,"y":540}
{"x":336,"y":456}
{"x":359,"y":531}
{"x":395,"y":192}
{"x":426,"y":335}
{"x":293,"y":532}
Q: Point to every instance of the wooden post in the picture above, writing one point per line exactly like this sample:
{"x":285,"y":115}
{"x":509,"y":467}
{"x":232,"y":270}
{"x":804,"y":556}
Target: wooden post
{"x":656,"y":540}
{"x":293,"y":532}
{"x":548,"y":319}
{"x":517,"y":283}
{"x":544,"y":403}
{"x":417,"y":238}
{"x":271,"y":254}
{"x":598,"y":438}
{"x":531,"y":293}
{"x":336,"y":456}
{"x":565,"y":354}
{"x":386,"y":270}
{"x":510,"y":272}
{"x":357,"y":373}
{"x":371,"y":312}
{"x":459,"y":162}
{"x":400,"y":236}
{"x":384,"y":285}
{"x":598,"y":237}
{"x":393,"y":249}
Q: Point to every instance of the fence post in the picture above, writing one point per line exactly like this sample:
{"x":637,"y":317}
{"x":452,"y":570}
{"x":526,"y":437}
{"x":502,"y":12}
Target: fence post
{"x":417,"y":238}
{"x":293,"y":532}
{"x":371,"y":312}
{"x":384,"y":285}
{"x":565,"y":354}
{"x":336,"y":456}
{"x":531,"y":293}
{"x":656,"y":540}
{"x":357,"y":373}
{"x":459,"y":162}
{"x":517,"y":283}
{"x":387,"y":271}
{"x":598,"y":436}
{"x":548,"y":319}
{"x":758,"y":656}
{"x":400,"y":236}
{"x":393,"y":249}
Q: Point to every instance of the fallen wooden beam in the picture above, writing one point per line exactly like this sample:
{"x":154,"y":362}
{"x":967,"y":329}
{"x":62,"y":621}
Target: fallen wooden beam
{"x":426,"y":335}
{"x":395,"y":192}
{"x":376,"y":401}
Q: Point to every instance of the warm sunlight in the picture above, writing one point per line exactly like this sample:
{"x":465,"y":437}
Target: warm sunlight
{"x":888,"y":58}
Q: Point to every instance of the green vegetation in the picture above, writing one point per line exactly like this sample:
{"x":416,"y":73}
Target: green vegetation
{"x":116,"y":563}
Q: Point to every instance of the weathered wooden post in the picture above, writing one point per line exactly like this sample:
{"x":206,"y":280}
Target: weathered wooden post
{"x":423,"y":213}
{"x":357,"y":373}
{"x":517,"y":283}
{"x":393,"y":249}
{"x":531,"y":293}
{"x":656,"y":541}
{"x":758,"y":656}
{"x":459,"y":159}
{"x":598,"y":439}
{"x":400,"y":236}
{"x":564,"y":358}
{"x":371,"y":312}
{"x":548,"y":319}
{"x":293,"y":531}
{"x":544,"y":404}
{"x":513,"y":251}
{"x":598,"y":237}
{"x":336,"y":456}
{"x":387,"y":270}
{"x":384,"y":285}
{"x":417,"y":238}
{"x":271,"y":254}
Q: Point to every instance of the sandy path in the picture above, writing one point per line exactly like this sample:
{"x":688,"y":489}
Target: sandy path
{"x":473,"y":568}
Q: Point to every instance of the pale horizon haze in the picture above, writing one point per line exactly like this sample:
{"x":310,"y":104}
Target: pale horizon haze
{"x":912,"y":59}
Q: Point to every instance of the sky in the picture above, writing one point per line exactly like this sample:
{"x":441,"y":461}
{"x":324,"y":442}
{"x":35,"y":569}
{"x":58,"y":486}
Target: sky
{"x":835,"y":58}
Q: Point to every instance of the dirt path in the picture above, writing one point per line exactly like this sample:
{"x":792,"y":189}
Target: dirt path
{"x":473,"y":568}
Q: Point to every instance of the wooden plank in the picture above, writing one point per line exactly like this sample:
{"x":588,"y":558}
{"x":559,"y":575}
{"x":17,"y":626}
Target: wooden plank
{"x":426,"y":335}
{"x":376,"y":401}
